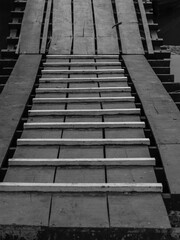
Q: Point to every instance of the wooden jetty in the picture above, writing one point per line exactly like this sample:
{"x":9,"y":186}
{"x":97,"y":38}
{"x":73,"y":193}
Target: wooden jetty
{"x":90,"y":125}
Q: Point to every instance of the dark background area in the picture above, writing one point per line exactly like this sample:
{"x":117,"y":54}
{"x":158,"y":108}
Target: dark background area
{"x":168,"y":19}
{"x":5,"y":8}
{"x":169,"y":23}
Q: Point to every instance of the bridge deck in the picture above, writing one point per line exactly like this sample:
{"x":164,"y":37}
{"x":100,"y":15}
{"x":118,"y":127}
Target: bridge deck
{"x":81,"y":165}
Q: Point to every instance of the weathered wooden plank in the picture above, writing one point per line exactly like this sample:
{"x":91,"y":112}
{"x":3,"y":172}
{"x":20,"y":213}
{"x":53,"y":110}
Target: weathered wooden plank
{"x":89,"y":112}
{"x":31,"y":27}
{"x":146,"y":27}
{"x":85,"y":79}
{"x":83,"y":28}
{"x":83,"y":100}
{"x":80,"y":64}
{"x":82,"y":162}
{"x":62,"y":28}
{"x":83,"y":125}
{"x":86,"y":56}
{"x":46,"y":27}
{"x":162,"y":114}
{"x":128,"y":27}
{"x":107,"y":39}
{"x":82,"y":71}
{"x":80,"y":90}
{"x":80,"y":187}
{"x":81,"y":142}
{"x":14,"y":97}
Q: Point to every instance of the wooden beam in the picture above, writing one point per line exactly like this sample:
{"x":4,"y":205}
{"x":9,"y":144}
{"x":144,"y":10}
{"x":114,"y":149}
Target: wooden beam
{"x":81,"y":187}
{"x":146,"y":27}
{"x":46,"y":27}
{"x":79,"y":112}
{"x":83,"y":162}
{"x":85,"y":56}
{"x":81,"y":142}
{"x":14,"y":97}
{"x":62,"y":35}
{"x":162,"y":114}
{"x":82,"y":125}
{"x":80,"y":64}
{"x":83,"y":90}
{"x":84,"y":71}
{"x":87,"y":79}
{"x":29,"y":42}
{"x":128,"y":27}
{"x":83,"y":99}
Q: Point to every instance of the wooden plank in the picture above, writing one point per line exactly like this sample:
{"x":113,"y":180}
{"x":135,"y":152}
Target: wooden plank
{"x":81,"y":142}
{"x":85,"y":79}
{"x":61,"y":28}
{"x":89,"y":71}
{"x":83,"y":125}
{"x":81,"y":187}
{"x":83,"y":28}
{"x":31,"y":27}
{"x":83,"y":100}
{"x":129,"y":30}
{"x":107,"y":40}
{"x":86,"y":56}
{"x":80,"y":64}
{"x":80,"y":90}
{"x":46,"y":27}
{"x":89,"y":112}
{"x":14,"y":97}
{"x":83,"y":162}
{"x":162,"y":114}
{"x":146,"y":27}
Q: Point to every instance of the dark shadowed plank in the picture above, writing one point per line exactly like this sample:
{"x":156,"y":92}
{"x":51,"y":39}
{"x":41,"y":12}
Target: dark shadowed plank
{"x":162,"y":114}
{"x":83,"y":28}
{"x":46,"y":27}
{"x":14,"y":98}
{"x":107,"y":41}
{"x":61,"y":42}
{"x":146,"y":27}
{"x":31,"y":27}
{"x":129,"y":30}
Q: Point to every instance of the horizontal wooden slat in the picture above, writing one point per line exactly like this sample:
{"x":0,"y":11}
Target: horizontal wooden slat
{"x":81,"y":142}
{"x":88,"y":71}
{"x":83,"y":162}
{"x":80,"y":187}
{"x":80,"y":64}
{"x":88,"y":79}
{"x":90,"y":125}
{"x":80,"y":90}
{"x":83,"y":99}
{"x":79,"y":112}
{"x":82,"y":56}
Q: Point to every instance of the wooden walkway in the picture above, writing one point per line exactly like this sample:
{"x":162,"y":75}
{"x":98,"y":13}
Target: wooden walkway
{"x":78,"y":161}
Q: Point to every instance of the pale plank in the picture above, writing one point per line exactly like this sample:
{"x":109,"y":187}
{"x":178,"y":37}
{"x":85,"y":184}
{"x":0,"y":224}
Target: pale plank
{"x":62,"y":27}
{"x":162,"y":113}
{"x":83,"y":125}
{"x":80,"y":187}
{"x":129,"y":30}
{"x":14,"y":97}
{"x":83,"y":162}
{"x":81,"y":142}
{"x":31,"y":27}
{"x":83,"y":28}
{"x":107,"y":41}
